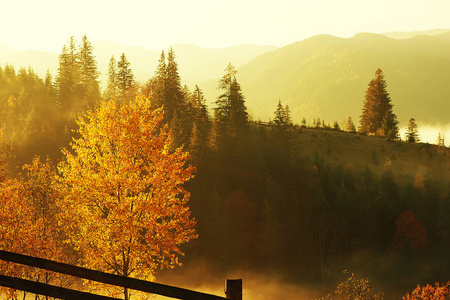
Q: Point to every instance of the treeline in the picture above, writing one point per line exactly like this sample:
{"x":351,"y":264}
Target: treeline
{"x":260,"y":201}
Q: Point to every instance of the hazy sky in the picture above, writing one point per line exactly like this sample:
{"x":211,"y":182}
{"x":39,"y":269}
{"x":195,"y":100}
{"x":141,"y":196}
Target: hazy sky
{"x":48,"y":24}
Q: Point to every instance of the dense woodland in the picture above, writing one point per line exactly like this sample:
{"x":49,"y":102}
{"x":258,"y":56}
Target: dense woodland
{"x":267,"y":197}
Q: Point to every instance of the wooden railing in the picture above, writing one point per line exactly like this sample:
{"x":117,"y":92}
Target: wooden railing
{"x":233,"y":290}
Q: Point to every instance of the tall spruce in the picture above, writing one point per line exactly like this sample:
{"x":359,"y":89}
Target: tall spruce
{"x":201,"y":123}
{"x":125,"y":80}
{"x":230,"y":111}
{"x":67,"y":80}
{"x":159,"y":84}
{"x":88,"y":73}
{"x":174,"y":93}
{"x":111,"y":91}
{"x":76,"y":84}
{"x":377,"y":116}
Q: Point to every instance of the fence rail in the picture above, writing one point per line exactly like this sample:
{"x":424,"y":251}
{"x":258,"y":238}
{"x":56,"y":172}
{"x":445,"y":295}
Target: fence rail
{"x":232,"y":292}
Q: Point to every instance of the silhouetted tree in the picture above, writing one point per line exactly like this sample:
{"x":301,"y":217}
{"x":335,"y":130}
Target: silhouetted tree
{"x":231,"y":112}
{"x":412,"y":132}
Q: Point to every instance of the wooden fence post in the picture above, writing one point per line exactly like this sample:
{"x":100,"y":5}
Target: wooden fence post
{"x":234,"y":289}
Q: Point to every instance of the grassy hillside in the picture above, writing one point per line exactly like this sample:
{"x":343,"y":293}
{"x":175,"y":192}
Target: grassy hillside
{"x":360,"y":153}
{"x":326,"y":76}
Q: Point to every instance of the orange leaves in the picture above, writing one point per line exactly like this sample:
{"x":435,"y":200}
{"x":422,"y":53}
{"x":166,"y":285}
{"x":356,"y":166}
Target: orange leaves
{"x":429,"y":292}
{"x":123,"y":194}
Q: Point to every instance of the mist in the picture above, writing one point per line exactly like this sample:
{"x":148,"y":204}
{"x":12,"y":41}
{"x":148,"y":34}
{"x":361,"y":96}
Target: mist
{"x":255,"y":286}
{"x":428,"y":133}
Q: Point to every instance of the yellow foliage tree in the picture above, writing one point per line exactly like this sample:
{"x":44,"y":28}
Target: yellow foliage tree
{"x":124,"y":205}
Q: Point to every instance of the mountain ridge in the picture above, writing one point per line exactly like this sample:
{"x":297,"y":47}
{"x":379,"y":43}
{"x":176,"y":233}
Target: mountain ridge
{"x":326,"y":76}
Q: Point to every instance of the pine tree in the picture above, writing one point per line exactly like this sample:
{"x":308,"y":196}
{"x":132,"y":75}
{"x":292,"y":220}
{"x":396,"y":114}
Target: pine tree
{"x":200,"y":115}
{"x":67,"y":80}
{"x":280,"y":115}
{"x":288,"y":115}
{"x":88,"y":72}
{"x":412,"y":132}
{"x":377,"y":117}
{"x":111,"y":88}
{"x":159,"y":87}
{"x":304,"y":122}
{"x":76,"y":84}
{"x":125,"y":80}
{"x":174,"y":95}
{"x":350,"y":126}
{"x":441,"y":143}
{"x":231,"y":111}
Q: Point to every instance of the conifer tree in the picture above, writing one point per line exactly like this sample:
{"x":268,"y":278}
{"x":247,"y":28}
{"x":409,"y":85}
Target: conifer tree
{"x":88,"y":72}
{"x":76,"y":84}
{"x":125,"y":79}
{"x":377,"y":117}
{"x":231,"y":111}
{"x":350,"y":126}
{"x":111,"y":88}
{"x":280,"y":115}
{"x":159,"y":87}
{"x":174,"y":95}
{"x":288,"y":115}
{"x":66,"y":82}
{"x":412,"y":132}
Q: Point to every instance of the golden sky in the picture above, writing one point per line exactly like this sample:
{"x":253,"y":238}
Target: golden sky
{"x":48,"y":24}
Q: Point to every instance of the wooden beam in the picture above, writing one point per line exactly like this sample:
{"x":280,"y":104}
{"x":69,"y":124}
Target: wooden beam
{"x":48,"y":290}
{"x":131,"y":283}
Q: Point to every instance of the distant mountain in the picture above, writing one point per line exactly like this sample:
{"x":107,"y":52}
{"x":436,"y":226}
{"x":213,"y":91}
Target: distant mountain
{"x":410,"y":34}
{"x":326,"y":77}
{"x":196,"y":64}
{"x":39,"y":61}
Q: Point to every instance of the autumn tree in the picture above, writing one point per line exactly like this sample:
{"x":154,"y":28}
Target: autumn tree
{"x":377,"y":116}
{"x":354,"y":288}
{"x":28,"y":223}
{"x":412,"y":132}
{"x":428,"y":292}
{"x":123,"y":195}
{"x":409,"y":230}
